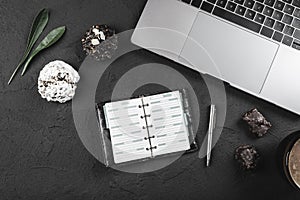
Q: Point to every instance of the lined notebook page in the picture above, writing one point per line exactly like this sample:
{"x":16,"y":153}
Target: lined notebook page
{"x":124,"y":120}
{"x":169,"y":123}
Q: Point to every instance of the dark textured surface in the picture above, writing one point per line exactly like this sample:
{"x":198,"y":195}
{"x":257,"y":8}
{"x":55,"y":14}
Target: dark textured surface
{"x":41,"y":156}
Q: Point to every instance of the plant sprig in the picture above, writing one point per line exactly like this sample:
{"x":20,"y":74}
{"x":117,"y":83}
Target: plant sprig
{"x":37,"y":28}
{"x":48,"y":41}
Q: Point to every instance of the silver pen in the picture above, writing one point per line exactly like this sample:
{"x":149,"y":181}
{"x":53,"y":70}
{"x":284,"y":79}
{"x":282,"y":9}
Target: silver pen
{"x":211,"y":127}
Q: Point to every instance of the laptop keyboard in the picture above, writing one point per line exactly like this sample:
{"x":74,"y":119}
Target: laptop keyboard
{"x":275,"y":19}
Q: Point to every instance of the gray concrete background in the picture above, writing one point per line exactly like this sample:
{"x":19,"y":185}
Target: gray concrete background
{"x":41,"y":156}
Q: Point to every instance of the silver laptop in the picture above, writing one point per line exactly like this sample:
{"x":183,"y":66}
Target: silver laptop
{"x":254,"y":45}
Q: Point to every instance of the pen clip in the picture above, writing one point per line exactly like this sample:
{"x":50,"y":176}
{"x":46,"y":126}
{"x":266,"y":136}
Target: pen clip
{"x":213,"y":117}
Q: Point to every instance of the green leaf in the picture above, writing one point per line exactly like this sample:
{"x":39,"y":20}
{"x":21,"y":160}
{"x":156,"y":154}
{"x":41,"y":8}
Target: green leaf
{"x":48,"y":41}
{"x":37,"y":28}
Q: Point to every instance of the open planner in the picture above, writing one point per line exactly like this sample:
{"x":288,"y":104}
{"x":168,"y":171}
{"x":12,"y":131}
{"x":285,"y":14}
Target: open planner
{"x":147,"y":127}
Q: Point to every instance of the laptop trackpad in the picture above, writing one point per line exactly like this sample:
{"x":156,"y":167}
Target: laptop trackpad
{"x":228,"y":52}
{"x":283,"y":83}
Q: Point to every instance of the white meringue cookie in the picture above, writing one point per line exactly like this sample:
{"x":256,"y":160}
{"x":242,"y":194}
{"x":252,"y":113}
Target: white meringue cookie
{"x":58,"y":81}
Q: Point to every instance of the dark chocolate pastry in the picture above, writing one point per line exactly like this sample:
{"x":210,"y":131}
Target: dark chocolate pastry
{"x":247,"y":156}
{"x":100,"y":41}
{"x":257,"y":122}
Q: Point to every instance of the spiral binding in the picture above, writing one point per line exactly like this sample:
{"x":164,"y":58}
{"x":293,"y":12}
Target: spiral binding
{"x":150,"y":148}
{"x":148,"y":138}
{"x":145,"y":116}
{"x":144,"y":105}
{"x":145,"y":127}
